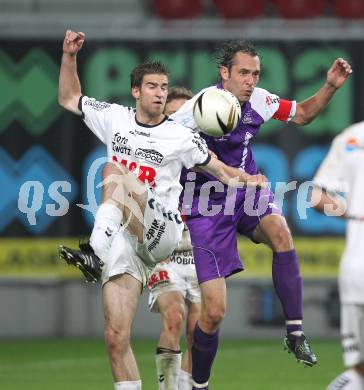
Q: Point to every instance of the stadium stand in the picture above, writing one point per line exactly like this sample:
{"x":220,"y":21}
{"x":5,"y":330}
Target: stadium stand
{"x":177,"y":9}
{"x":154,"y":10}
{"x":238,"y":9}
{"x":352,"y":9}
{"x":299,"y":9}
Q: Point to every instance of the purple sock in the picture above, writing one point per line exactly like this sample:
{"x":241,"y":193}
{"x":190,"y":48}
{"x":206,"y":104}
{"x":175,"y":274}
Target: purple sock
{"x":204,"y":348}
{"x":288,"y":285}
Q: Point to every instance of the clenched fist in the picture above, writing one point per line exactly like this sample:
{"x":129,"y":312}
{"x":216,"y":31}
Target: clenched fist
{"x":73,"y":42}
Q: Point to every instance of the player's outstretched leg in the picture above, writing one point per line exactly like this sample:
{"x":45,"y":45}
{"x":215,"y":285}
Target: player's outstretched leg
{"x":84,"y":259}
{"x":288,"y":285}
{"x":206,"y":334}
{"x":273,"y":231}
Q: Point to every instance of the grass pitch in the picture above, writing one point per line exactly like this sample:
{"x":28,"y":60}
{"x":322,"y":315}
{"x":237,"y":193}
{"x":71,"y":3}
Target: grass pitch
{"x":83,"y":365}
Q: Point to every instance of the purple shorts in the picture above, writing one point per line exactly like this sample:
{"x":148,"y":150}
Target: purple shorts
{"x":214,"y":237}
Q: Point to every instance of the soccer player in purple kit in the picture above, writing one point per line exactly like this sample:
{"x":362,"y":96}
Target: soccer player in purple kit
{"x":214,"y":237}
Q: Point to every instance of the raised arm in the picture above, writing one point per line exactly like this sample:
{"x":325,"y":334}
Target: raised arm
{"x":308,"y":109}
{"x":232,"y":176}
{"x":69,"y":88}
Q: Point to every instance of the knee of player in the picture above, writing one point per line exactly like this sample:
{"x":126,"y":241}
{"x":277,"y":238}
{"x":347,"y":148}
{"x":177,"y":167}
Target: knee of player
{"x":282,"y":238}
{"x":174,"y":318}
{"x":215,"y":314}
{"x":117,"y":339}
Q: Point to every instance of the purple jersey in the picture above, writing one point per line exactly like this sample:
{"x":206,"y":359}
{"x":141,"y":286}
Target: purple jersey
{"x":233,"y":149}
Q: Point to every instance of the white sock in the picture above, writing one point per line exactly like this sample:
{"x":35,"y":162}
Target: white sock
{"x":128,"y":385}
{"x":348,"y":380}
{"x":168,"y":368}
{"x":107,"y":223}
{"x":185,"y":380}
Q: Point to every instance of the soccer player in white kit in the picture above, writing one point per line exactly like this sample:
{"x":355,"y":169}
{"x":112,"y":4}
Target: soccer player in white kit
{"x":174,"y":288}
{"x":339,"y":188}
{"x":138,"y":224}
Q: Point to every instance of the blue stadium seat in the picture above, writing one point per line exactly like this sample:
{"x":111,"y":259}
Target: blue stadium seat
{"x":177,"y":9}
{"x":300,"y":9}
{"x":240,"y":9}
{"x":351,"y":9}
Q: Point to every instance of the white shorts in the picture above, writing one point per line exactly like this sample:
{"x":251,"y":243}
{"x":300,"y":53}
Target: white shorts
{"x":122,"y":259}
{"x":162,"y":232}
{"x":177,"y":275}
{"x":352,"y":333}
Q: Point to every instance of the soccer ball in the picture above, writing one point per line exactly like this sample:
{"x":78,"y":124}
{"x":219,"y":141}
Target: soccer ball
{"x":217,"y":112}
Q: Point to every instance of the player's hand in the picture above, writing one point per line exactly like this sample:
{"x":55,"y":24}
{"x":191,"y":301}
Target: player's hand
{"x":73,"y":42}
{"x":258,"y":180}
{"x":338,"y":73}
{"x":211,"y":153}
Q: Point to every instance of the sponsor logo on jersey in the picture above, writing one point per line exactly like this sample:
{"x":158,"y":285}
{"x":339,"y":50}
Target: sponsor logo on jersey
{"x":121,"y":149}
{"x":137,"y":132}
{"x":182,"y":257}
{"x":247,"y":118}
{"x":146,"y":174}
{"x":119,"y":144}
{"x":98,"y":106}
{"x":157,"y":279}
{"x":119,"y":139}
{"x":270,"y":100}
{"x":201,"y":144}
{"x":149,"y":155}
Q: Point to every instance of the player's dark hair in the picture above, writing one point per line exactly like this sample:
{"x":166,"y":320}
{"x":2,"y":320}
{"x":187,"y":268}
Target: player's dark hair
{"x":149,"y":67}
{"x":178,"y":93}
{"x":224,"y":54}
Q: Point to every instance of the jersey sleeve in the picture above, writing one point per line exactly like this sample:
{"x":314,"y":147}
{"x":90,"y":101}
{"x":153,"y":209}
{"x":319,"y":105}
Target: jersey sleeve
{"x":96,"y":115}
{"x":331,"y":173}
{"x":184,"y":116}
{"x":269,"y":105}
{"x":194,"y":151}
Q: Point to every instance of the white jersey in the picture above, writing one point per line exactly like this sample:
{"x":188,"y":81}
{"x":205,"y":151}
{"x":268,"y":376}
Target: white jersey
{"x":155,"y":153}
{"x":343,"y":171}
